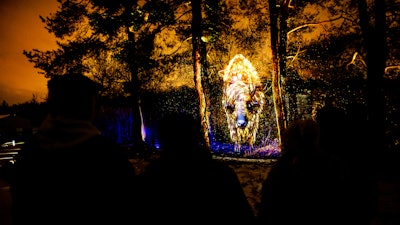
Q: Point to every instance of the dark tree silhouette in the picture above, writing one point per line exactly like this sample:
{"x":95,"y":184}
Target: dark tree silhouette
{"x":375,"y":44}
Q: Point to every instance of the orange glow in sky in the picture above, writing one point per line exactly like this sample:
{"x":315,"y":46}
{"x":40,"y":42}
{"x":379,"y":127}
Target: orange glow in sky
{"x":21,"y":29}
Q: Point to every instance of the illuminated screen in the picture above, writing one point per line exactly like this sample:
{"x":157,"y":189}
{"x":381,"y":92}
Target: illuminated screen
{"x":242,"y":119}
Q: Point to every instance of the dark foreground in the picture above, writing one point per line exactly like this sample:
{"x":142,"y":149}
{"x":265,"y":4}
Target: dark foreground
{"x":252,"y":172}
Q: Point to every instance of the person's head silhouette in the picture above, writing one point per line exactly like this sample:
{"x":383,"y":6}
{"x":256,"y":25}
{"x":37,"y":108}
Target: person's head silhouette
{"x":179,"y":134}
{"x":72,"y":96}
{"x":301,"y":137}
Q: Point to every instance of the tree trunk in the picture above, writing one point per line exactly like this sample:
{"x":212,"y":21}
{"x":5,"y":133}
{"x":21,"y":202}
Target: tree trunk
{"x":288,"y":90}
{"x":198,"y":68}
{"x":276,"y":76}
{"x":375,"y":45}
{"x":134,"y":86}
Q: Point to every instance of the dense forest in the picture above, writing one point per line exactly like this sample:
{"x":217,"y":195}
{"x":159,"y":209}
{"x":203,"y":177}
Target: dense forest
{"x":155,"y":56}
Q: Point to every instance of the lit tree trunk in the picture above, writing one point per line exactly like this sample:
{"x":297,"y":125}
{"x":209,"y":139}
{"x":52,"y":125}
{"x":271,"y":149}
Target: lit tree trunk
{"x":138,"y":143}
{"x":276,"y":76}
{"x":288,"y":90}
{"x":375,"y":45}
{"x":198,"y":68}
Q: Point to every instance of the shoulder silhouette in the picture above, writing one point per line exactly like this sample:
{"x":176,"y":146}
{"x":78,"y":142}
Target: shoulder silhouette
{"x":186,"y":185}
{"x":68,"y":172}
{"x":298,"y":189}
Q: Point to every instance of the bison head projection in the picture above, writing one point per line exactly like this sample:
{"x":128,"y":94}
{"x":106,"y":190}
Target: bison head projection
{"x":243,"y":101}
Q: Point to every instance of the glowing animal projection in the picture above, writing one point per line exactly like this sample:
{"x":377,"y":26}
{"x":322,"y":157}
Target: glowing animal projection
{"x":243,"y":100}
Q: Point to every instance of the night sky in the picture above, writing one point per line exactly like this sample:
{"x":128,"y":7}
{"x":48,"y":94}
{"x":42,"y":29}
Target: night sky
{"x":21,"y":29}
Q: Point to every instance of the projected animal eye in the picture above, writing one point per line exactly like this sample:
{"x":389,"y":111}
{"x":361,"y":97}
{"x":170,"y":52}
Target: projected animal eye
{"x":252,"y":105}
{"x":230,"y":108}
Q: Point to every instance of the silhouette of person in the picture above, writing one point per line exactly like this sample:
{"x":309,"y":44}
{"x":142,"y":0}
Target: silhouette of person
{"x":185,"y":185}
{"x":298,"y":189}
{"x":68,"y":173}
{"x":332,"y":123}
{"x":346,"y":141}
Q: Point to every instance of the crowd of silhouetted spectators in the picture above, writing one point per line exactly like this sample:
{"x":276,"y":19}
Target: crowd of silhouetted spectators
{"x":69,"y":173}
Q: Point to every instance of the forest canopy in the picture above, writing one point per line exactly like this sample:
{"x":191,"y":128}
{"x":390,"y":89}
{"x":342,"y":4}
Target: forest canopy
{"x":321,"y":49}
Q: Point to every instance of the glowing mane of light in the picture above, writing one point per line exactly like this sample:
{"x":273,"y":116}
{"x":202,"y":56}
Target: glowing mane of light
{"x":243,"y":100}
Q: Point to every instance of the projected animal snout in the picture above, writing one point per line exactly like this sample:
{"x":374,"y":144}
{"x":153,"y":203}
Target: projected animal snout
{"x":243,"y":101}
